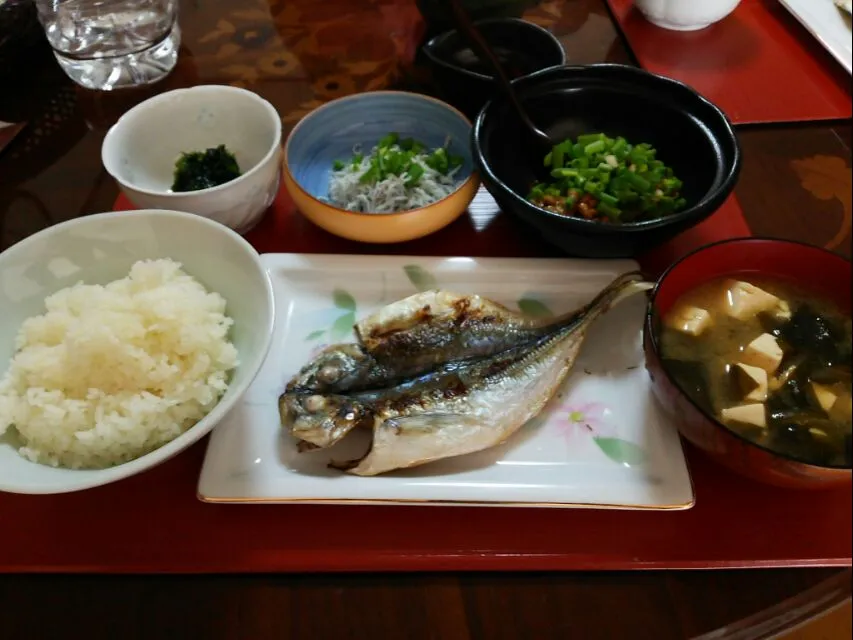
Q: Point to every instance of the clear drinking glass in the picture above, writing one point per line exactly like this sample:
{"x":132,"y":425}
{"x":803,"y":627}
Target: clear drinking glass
{"x":112,"y":44}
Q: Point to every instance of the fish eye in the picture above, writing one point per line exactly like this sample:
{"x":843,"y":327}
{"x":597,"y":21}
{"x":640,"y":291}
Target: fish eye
{"x":314,"y":404}
{"x":329,"y":373}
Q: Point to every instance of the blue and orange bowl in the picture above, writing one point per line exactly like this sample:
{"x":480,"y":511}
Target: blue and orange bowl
{"x":332,"y":131}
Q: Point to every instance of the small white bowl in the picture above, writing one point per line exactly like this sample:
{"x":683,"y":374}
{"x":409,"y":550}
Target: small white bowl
{"x":101,"y":248}
{"x":685,"y":15}
{"x":140,"y":151}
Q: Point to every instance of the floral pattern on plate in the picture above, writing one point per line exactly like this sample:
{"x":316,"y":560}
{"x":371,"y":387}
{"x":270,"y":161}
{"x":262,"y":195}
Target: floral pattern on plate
{"x":593,"y":420}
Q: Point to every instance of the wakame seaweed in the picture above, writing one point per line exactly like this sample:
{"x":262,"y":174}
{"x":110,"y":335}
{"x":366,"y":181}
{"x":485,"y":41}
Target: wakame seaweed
{"x":197,"y":170}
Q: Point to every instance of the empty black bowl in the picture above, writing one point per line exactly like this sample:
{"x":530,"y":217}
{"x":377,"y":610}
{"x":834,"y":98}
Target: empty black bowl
{"x":691,"y":135}
{"x":521,"y":46}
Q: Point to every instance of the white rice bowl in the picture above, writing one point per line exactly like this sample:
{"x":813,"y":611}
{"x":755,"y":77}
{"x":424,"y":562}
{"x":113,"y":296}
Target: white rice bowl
{"x":112,"y":372}
{"x":100,"y":249}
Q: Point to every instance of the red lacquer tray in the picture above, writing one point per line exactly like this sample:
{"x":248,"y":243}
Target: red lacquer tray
{"x":759,"y":64}
{"x":152,"y":523}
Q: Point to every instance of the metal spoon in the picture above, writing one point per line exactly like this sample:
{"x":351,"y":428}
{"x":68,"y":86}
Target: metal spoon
{"x":484,"y":52}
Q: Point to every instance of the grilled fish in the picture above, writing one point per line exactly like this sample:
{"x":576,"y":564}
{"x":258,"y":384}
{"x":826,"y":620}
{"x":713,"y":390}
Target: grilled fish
{"x":439,"y":326}
{"x":414,"y":336}
{"x":457,"y":407}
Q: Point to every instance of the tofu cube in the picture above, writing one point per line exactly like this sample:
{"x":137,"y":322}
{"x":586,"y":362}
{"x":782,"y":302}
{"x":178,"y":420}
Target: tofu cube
{"x":842,"y":408}
{"x":752,"y":381}
{"x":763,"y":352}
{"x":753,"y":414}
{"x":689,"y":319}
{"x":744,"y":300}
{"x":825,"y":396}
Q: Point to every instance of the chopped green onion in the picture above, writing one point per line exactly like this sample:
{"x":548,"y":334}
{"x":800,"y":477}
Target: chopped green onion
{"x":610,"y":210}
{"x":557,"y":155}
{"x":415,"y":171}
{"x":388,"y":141}
{"x":625,"y":182}
{"x":589,"y":138}
{"x":643,"y":185}
{"x":594,"y":147}
{"x":537,"y":192}
{"x":609,"y":199}
{"x":565,"y":173}
{"x":672,"y":184}
{"x":404,"y":158}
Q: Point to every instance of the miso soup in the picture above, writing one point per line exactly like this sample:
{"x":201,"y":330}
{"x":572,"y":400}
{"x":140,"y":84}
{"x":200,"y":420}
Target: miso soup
{"x":771,"y":362}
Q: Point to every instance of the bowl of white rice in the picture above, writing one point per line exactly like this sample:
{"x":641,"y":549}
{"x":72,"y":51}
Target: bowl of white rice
{"x":124,"y":339}
{"x":381,"y":166}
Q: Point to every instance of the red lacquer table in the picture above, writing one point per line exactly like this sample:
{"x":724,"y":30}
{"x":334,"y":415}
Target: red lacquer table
{"x":728,"y":527}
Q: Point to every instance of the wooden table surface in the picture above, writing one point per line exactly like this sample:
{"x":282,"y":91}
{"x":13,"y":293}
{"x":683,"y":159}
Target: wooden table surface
{"x":796,"y":183}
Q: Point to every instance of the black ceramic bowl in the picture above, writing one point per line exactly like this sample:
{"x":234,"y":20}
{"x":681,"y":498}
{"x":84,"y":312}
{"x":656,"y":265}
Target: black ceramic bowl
{"x":464,"y":82}
{"x":691,"y":135}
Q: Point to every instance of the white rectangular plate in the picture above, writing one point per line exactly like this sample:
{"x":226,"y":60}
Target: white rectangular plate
{"x":829,"y":24}
{"x":600,"y":443}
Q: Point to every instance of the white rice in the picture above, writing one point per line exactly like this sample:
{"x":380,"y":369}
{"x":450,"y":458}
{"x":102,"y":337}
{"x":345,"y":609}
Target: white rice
{"x":112,"y":372}
{"x":390,"y":195}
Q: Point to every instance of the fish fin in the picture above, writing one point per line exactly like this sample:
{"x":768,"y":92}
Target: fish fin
{"x":426,"y":422}
{"x":420,"y":425}
{"x":409,"y":441}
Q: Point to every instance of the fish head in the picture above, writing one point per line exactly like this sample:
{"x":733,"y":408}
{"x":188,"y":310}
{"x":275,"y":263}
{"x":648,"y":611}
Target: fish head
{"x":322,"y":420}
{"x":337,"y":368}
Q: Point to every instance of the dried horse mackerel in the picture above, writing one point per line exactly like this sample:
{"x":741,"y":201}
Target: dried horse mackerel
{"x":424,"y":333}
{"x":427,"y":398}
{"x":414,"y":336}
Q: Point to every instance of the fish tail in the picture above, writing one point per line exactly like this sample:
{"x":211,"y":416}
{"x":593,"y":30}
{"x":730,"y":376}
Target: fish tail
{"x":624,"y":286}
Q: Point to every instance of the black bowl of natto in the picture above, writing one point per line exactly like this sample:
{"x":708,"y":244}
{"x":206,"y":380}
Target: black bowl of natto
{"x":522,"y":48}
{"x":691,"y":135}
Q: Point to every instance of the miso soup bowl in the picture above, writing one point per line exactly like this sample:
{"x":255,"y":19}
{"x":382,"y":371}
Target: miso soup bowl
{"x":823,"y":273}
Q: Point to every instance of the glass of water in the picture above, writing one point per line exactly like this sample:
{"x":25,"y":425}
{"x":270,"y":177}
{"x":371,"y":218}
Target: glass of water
{"x":112,"y":44}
